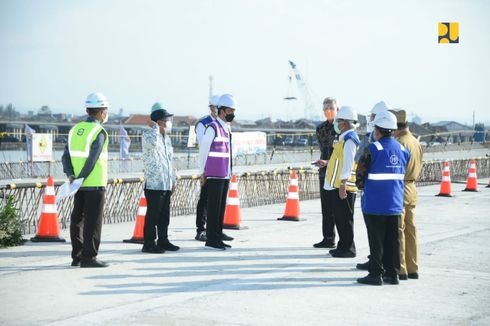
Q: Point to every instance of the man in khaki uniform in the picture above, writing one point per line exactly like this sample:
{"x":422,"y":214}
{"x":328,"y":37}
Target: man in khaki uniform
{"x":408,"y":232}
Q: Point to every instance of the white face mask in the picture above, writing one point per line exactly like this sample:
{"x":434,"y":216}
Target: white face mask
{"x":168,"y":127}
{"x":106,"y":118}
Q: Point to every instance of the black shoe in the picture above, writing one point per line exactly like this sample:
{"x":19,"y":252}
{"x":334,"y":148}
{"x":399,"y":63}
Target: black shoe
{"x":153,"y":250}
{"x":225,"y":237}
{"x":403,"y":277}
{"x":391,"y":279}
{"x":226,"y":245}
{"x":75,"y":262}
{"x":370,"y":280}
{"x":201,"y":236}
{"x":413,"y":276}
{"x":342,"y":254}
{"x":218,"y":246}
{"x":324,"y":244}
{"x":169,"y":247}
{"x":94,"y":263}
{"x":363,"y":266}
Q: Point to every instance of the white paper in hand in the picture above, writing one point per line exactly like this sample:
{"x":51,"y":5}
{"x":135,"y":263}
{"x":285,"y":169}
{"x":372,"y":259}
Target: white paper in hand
{"x":68,"y":189}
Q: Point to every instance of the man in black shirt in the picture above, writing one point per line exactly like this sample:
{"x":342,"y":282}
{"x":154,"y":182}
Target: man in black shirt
{"x":326,"y":136}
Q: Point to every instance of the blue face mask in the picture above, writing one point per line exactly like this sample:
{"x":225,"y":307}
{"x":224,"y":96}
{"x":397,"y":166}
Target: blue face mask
{"x":336,"y":127}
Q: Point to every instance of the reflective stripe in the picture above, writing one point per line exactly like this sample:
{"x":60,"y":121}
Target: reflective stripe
{"x":472,"y":175}
{"x":141,"y":211}
{"x":378,"y":145}
{"x":221,"y":139}
{"x":446,"y":169}
{"x":49,"y":191}
{"x":233,"y":186}
{"x":293,"y":182}
{"x":446,"y":178}
{"x":78,"y":154}
{"x":233,"y":201}
{"x":386,"y":176}
{"x":218,"y":154}
{"x":293,"y":195}
{"x":334,"y":173}
{"x":49,"y":208}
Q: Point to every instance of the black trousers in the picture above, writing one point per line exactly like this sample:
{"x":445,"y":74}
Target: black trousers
{"x":384,"y":244}
{"x":217,"y":192}
{"x":202,"y":209}
{"x":328,"y":221}
{"x":157,"y":217}
{"x":343,"y":211}
{"x":86,"y":223}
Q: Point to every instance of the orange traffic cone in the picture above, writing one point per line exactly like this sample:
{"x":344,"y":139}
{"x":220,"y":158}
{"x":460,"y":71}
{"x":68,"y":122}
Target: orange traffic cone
{"x":139,"y":228}
{"x":48,"y":228}
{"x":446,"y":182}
{"x":471,"y":182}
{"x":291,"y":212}
{"x":232,"y":211}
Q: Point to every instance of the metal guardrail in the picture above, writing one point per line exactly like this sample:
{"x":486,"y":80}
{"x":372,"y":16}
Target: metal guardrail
{"x":259,"y":188}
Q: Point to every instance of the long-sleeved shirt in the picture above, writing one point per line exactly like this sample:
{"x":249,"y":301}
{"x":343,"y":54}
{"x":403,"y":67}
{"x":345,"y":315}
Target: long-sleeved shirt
{"x":414,"y":165}
{"x":93,"y":156}
{"x":349,"y":152}
{"x":157,"y":159}
{"x":205,"y":146}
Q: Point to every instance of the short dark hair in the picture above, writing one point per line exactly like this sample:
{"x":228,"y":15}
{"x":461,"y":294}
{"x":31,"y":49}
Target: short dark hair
{"x":384,"y":132}
{"x":402,"y":125}
{"x":92,"y":112}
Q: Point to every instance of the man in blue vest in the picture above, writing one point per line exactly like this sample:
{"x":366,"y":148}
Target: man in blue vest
{"x":85,"y":156}
{"x":201,"y":210}
{"x":380,"y":174}
{"x":215,"y":166}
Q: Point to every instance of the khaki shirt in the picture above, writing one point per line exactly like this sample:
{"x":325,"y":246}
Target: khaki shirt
{"x":414,"y":166}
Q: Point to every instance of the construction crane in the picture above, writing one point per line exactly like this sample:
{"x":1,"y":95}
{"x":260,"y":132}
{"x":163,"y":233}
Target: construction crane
{"x":306,"y":93}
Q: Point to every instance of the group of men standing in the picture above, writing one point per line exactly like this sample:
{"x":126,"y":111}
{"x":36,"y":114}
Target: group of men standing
{"x":382,"y":167}
{"x":385,"y":170}
{"x":85,"y":158}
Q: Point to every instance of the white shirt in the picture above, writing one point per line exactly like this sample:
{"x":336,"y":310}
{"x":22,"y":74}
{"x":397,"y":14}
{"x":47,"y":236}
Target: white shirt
{"x":350,"y":149}
{"x":205,"y":146}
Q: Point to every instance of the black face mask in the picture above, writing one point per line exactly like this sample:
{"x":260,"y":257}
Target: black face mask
{"x":230,"y":117}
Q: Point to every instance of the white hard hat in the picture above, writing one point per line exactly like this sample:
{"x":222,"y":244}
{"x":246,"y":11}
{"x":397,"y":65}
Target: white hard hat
{"x":214,"y":100}
{"x":346,"y":113}
{"x":96,"y":100}
{"x":380,"y":107}
{"x":227,"y":100}
{"x":385,"y":120}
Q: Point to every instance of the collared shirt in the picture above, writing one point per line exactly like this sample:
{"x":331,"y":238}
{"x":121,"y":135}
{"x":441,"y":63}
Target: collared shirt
{"x":205,"y":146}
{"x":414,"y":165}
{"x":93,"y":156}
{"x":349,"y":153}
{"x":326,"y":136}
{"x":157,"y":159}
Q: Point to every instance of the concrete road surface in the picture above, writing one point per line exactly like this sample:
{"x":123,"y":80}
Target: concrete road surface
{"x":272,"y":276}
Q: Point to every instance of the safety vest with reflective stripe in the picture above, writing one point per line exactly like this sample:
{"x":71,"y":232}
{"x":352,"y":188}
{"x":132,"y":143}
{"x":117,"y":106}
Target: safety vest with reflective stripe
{"x":384,"y":185}
{"x":80,"y":138}
{"x":336,"y":162}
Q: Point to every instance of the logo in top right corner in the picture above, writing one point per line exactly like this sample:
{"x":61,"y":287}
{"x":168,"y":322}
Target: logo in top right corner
{"x":448,"y":33}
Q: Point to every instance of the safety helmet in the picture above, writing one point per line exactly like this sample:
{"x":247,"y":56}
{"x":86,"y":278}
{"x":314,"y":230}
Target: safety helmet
{"x":346,"y":113}
{"x":227,"y":100}
{"x":380,"y":107}
{"x":385,"y":120}
{"x":213,"y":101}
{"x":96,"y":100}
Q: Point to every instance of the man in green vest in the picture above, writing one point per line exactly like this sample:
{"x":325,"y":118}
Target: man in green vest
{"x":85,"y":156}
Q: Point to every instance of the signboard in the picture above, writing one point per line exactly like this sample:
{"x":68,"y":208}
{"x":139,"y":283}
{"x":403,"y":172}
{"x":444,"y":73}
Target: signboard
{"x":249,"y":143}
{"x":42,"y":147}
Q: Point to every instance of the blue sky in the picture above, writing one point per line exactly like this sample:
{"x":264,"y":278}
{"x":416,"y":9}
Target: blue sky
{"x":139,"y":52}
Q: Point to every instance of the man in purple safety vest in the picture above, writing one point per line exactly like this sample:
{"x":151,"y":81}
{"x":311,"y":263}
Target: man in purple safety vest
{"x":215,"y":167}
